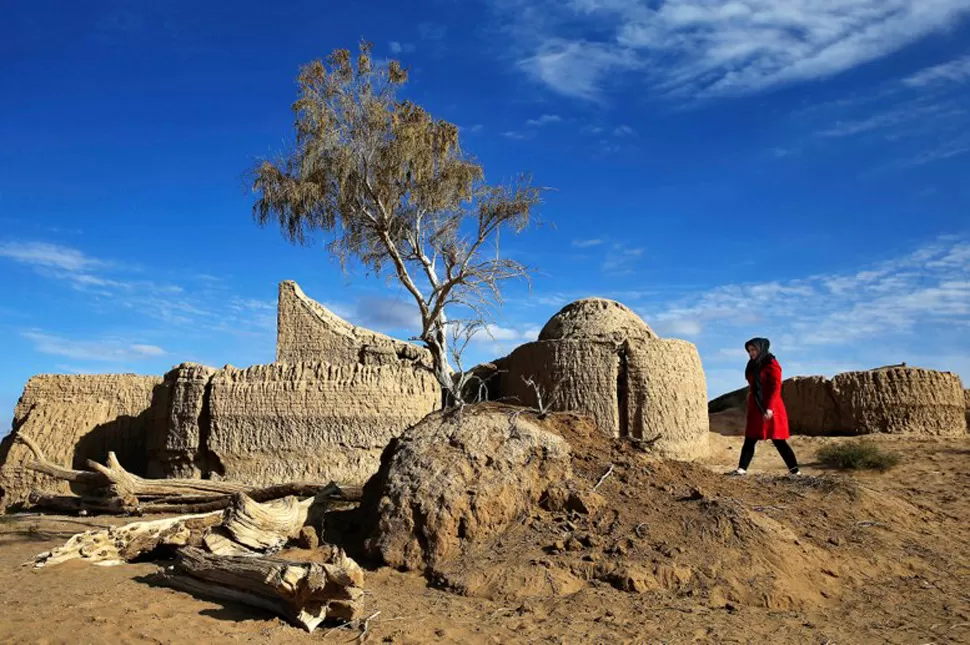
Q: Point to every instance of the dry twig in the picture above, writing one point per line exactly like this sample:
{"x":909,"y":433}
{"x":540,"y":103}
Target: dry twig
{"x":603,"y":478}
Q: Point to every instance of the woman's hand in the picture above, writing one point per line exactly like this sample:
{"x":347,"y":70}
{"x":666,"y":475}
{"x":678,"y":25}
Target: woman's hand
{"x":769,"y":414}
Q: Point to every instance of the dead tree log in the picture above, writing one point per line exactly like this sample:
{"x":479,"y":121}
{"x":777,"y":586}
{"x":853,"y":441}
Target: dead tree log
{"x":246,"y":527}
{"x":119,"y":544}
{"x":250,"y":527}
{"x":112,"y":489}
{"x":305,"y":593}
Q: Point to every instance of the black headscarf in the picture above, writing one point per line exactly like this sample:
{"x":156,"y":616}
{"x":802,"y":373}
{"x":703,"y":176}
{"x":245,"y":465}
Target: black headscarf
{"x":753,"y":370}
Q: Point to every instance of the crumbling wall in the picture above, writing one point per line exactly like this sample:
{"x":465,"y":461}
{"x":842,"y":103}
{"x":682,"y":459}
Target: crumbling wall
{"x":901,"y":400}
{"x":812,"y":406}
{"x":180,"y":450}
{"x":894,"y":399}
{"x":76,"y":418}
{"x":307,"y":333}
{"x":666,"y":395}
{"x":312,"y":421}
{"x":966,"y":403}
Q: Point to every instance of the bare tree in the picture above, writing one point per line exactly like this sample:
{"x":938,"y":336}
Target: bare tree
{"x":390,"y":187}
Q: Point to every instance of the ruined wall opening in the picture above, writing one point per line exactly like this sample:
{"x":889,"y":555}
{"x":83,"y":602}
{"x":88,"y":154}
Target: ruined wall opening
{"x":208,"y":461}
{"x":623,"y":391}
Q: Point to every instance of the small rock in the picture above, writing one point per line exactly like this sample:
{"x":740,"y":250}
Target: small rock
{"x":572,"y":544}
{"x":835,"y":540}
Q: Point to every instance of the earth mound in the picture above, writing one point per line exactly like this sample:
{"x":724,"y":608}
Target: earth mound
{"x":619,"y":517}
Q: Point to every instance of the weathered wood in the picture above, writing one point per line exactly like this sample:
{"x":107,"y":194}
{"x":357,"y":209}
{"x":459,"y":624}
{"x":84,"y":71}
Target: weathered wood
{"x":245,"y":527}
{"x":306,"y":593}
{"x":112,"y":489}
{"x":119,"y":544}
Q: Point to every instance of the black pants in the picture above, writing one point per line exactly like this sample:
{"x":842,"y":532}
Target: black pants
{"x":747,"y":453}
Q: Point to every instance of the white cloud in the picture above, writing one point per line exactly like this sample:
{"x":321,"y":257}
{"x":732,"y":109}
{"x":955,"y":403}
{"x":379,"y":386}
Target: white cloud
{"x":623,"y":131}
{"x":54,"y":256}
{"x":954,"y":71}
{"x":906,"y":118}
{"x":683,"y":328}
{"x":432,"y":31}
{"x":577,"y":68}
{"x":926,"y":289}
{"x":621,"y":259}
{"x":400,"y":48}
{"x":705,"y":48}
{"x":516,"y":135}
{"x":103,"y":350}
{"x":585,"y":244}
{"x":545,"y":119}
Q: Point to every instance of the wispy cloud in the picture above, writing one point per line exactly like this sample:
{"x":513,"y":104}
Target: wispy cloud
{"x":585,"y":244}
{"x":954,"y":71}
{"x":620,"y":259}
{"x":577,"y":68}
{"x":699,"y":48}
{"x":545,"y":119}
{"x":47,"y":255}
{"x":913,"y":308}
{"x":928,"y":288}
{"x":206,"y":303}
{"x":400,"y":48}
{"x":907,"y":117}
{"x":432,"y":31}
{"x":516,"y":135}
{"x":111,"y":350}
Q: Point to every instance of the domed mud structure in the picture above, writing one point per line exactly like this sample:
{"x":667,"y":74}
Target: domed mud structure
{"x":598,"y":357}
{"x":596,"y":319}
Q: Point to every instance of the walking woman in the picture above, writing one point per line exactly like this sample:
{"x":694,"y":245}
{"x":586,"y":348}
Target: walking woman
{"x":766,"y":414}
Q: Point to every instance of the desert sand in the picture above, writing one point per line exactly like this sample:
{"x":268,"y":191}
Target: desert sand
{"x":696,"y":557}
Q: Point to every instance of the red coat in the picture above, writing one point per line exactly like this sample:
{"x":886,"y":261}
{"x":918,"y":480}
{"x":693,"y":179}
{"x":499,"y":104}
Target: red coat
{"x":757,"y":426}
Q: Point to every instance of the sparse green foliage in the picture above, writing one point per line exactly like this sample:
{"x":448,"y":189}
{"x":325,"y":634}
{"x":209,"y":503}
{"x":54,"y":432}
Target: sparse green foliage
{"x":390,"y":187}
{"x":857,"y":455}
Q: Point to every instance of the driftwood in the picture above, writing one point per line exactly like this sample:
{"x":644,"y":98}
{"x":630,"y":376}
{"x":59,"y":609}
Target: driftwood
{"x":246,"y":527}
{"x":119,"y":544}
{"x":306,"y":593}
{"x":222,"y":554}
{"x":112,"y":489}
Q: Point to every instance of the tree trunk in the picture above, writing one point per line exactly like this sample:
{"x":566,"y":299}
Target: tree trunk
{"x":112,"y":489}
{"x":119,"y":544}
{"x":246,"y":527}
{"x":306,"y":593}
{"x":438,"y":346}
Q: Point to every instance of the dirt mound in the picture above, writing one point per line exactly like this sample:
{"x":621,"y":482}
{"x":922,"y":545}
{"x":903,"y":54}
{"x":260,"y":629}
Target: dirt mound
{"x":596,"y":319}
{"x":455,"y":479}
{"x":645,"y":525}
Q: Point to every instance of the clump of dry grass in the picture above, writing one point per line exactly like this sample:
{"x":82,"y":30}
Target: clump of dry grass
{"x":858,"y":455}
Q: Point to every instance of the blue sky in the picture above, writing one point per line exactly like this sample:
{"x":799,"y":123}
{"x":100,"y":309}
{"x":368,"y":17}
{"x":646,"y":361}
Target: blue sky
{"x":788,"y":168}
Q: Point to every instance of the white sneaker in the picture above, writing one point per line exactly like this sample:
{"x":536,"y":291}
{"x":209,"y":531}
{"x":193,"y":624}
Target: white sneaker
{"x":795,"y":472}
{"x":738,"y":472}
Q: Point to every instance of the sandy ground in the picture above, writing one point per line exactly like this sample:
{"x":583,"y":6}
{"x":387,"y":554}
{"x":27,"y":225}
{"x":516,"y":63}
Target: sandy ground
{"x":891,"y":566}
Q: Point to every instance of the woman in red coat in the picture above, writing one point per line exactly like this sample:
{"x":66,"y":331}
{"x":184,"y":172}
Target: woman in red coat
{"x":766,"y":415}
